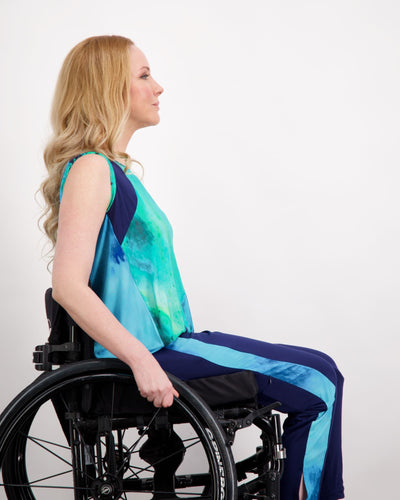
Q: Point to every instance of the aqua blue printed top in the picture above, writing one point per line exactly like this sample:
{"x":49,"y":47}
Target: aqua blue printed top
{"x":134,"y":270}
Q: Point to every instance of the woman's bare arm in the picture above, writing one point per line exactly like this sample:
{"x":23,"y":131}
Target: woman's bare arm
{"x":84,"y":203}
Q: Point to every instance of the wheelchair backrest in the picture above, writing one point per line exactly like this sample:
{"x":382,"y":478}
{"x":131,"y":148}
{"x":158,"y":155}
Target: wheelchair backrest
{"x":67,"y":342}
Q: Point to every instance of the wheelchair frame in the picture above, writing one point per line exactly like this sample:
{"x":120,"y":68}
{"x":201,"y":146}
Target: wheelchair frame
{"x":116,"y":445}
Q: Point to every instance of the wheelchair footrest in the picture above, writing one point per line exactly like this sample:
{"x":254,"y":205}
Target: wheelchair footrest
{"x":231,"y":420}
{"x":254,"y":496}
{"x":269,"y":483}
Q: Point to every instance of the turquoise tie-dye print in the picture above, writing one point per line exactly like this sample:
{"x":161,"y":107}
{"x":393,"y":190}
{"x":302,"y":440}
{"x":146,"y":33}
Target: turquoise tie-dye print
{"x":134,"y":270}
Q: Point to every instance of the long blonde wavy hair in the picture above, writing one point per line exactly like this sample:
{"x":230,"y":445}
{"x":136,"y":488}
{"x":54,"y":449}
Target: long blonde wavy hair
{"x":90,"y":108}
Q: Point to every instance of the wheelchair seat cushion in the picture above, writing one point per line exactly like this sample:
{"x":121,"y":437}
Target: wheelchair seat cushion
{"x":228,"y":389}
{"x":222,"y":391}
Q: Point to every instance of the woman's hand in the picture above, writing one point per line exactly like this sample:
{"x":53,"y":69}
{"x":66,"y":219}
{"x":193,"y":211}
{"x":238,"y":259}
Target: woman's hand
{"x":153,"y":383}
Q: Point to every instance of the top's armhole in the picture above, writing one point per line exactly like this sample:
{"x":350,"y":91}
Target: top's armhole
{"x":112,"y":175}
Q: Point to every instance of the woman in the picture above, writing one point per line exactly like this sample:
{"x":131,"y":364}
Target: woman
{"x":115,"y":272}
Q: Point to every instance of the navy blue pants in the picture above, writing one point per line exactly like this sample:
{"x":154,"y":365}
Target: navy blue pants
{"x":305,"y":381}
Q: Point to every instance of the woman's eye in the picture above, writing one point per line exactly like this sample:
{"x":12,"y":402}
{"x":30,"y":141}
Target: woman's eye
{"x":145,"y":76}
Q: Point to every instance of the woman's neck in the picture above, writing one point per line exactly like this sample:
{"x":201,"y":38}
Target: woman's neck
{"x":124,"y":138}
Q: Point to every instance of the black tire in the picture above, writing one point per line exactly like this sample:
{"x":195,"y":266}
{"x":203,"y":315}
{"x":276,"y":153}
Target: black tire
{"x":100,"y":437}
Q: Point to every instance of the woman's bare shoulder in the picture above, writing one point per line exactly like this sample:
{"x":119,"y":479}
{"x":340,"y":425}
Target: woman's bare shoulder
{"x":91,"y":161}
{"x":89,"y":176}
{"x":91,"y":167}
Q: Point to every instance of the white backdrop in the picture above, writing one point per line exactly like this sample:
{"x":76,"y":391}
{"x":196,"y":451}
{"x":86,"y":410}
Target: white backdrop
{"x":276,"y":160}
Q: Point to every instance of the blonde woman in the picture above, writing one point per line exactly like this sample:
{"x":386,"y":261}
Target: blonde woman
{"x":115,"y":273}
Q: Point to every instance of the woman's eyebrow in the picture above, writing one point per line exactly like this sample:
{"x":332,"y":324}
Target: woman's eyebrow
{"x":144,"y":67}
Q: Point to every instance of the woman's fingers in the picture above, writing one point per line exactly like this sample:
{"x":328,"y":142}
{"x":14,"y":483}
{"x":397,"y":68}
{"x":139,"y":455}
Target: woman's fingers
{"x":159,"y":397}
{"x":162,"y":400}
{"x":168,"y":400}
{"x":154,"y":384}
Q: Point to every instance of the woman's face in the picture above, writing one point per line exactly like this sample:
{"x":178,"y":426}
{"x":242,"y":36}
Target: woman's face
{"x":144,"y":92}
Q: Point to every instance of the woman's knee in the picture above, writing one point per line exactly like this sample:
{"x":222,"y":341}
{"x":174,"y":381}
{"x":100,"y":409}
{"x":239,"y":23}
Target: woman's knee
{"x":330,"y":362}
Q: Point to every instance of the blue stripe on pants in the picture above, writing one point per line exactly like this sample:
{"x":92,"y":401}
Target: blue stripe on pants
{"x":303,"y":380}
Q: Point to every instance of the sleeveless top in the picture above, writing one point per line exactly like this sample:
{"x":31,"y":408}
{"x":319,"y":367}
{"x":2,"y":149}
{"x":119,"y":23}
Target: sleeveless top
{"x":134,"y":270}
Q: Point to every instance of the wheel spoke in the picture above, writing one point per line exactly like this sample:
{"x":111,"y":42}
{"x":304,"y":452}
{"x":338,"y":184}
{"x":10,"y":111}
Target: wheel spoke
{"x":190,"y":439}
{"x":42,"y":486}
{"x":50,"y":451}
{"x":150,"y":467}
{"x":134,"y":445}
{"x":49,"y":477}
{"x":36,"y":440}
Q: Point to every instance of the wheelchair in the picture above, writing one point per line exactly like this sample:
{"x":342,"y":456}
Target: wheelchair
{"x":82,"y":431}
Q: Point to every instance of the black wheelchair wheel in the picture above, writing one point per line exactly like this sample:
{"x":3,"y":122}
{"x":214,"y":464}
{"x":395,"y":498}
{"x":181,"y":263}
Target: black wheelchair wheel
{"x":83,"y":432}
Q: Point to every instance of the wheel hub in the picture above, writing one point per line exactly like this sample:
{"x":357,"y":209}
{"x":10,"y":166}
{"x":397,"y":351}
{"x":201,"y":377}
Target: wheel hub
{"x":107,"y":488}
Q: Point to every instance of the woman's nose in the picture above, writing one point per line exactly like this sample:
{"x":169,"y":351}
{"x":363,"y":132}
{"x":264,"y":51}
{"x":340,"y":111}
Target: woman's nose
{"x":159,"y":90}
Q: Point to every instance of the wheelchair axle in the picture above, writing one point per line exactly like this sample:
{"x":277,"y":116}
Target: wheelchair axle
{"x":107,"y":488}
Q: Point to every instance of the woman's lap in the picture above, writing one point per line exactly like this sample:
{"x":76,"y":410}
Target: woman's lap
{"x":292,"y":364}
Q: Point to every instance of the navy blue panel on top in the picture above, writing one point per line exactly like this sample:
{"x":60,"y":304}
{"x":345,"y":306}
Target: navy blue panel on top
{"x":124,"y":205}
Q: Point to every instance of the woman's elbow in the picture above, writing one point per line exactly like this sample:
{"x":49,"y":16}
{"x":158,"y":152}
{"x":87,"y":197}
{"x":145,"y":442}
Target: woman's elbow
{"x":59,"y":288}
{"x":65,"y":288}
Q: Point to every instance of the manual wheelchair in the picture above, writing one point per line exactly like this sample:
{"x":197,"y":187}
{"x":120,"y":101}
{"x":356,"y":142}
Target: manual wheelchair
{"x":83,"y":431}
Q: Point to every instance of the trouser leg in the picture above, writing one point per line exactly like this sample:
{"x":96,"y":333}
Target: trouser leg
{"x":302,"y":380}
{"x":333,"y":468}
{"x":302,"y":409}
